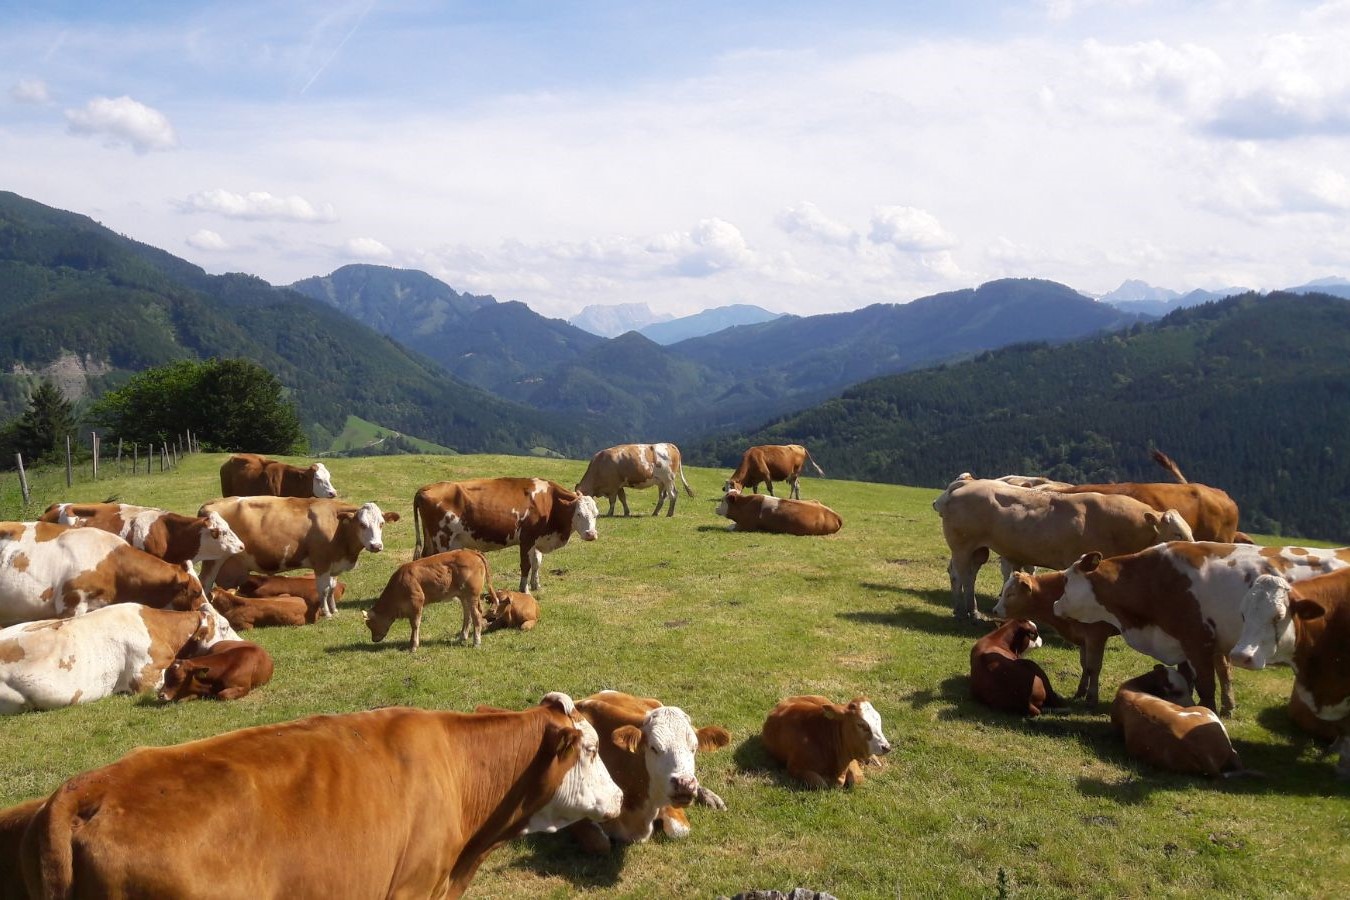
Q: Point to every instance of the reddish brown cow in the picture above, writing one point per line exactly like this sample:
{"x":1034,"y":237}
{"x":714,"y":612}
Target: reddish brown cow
{"x":756,"y":512}
{"x":251,"y":475}
{"x":173,"y":538}
{"x":13,"y":823}
{"x":1000,"y":677}
{"x":1025,"y":597}
{"x":247,"y":613}
{"x":635,"y":466}
{"x":461,"y":574}
{"x":1159,"y":731}
{"x":228,"y":672}
{"x":822,"y":743}
{"x":303,"y":586}
{"x":512,"y":609}
{"x":768,"y":463}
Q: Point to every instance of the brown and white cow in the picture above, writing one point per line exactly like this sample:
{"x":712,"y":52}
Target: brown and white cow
{"x":649,"y":749}
{"x":1002,"y":678}
{"x":457,"y":574}
{"x":250,"y":475}
{"x":1182,"y":602}
{"x":635,"y":466}
{"x":281,"y":533}
{"x":51,"y":571}
{"x":121,"y":649}
{"x":230,"y":671}
{"x":512,"y":609}
{"x":494,"y":513}
{"x":823,"y":743}
{"x":1153,"y":713}
{"x":768,"y":463}
{"x":758,"y":512}
{"x":247,"y":613}
{"x":303,"y":586}
{"x":171,"y":537}
{"x":394,"y":802}
{"x":1038,"y":528}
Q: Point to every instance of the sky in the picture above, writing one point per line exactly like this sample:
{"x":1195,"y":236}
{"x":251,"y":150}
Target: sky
{"x":806,"y":157}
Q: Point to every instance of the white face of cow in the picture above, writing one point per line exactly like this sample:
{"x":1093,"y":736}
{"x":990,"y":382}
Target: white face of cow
{"x":1174,"y":528}
{"x":876,"y":739}
{"x":583,"y":518}
{"x":587,"y":790}
{"x":1080,"y":601}
{"x":215,"y":628}
{"x":670,"y":743}
{"x":218,"y":539}
{"x":1267,"y":625}
{"x":370,"y":522}
{"x":323,"y":483}
{"x":725,"y":504}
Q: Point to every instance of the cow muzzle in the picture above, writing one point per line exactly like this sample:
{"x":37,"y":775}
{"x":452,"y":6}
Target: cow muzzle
{"x":590,"y":535}
{"x":375,"y":546}
{"x":683,"y":790}
{"x":1247,"y":657}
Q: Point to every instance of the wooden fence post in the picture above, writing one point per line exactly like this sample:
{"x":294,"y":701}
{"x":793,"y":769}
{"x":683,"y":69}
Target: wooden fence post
{"x":94,"y":436}
{"x":23,"y":478}
{"x":119,"y":455}
{"x":68,"y":481}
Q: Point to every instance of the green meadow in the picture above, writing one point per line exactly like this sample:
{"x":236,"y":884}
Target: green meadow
{"x":970,"y":802}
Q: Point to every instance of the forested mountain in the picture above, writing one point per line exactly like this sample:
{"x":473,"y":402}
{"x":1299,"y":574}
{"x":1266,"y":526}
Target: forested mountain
{"x":1246,"y":394}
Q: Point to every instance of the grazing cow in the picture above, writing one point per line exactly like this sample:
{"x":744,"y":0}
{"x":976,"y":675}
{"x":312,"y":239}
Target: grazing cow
{"x":303,"y":586}
{"x":768,"y":463}
{"x":1181,"y":602}
{"x":173,"y":538}
{"x":635,"y":466}
{"x":1159,"y":730}
{"x":1038,"y":528}
{"x":1000,"y":676}
{"x":461,"y":574}
{"x":247,"y":613}
{"x":228,"y":672}
{"x":121,"y":649}
{"x":13,"y":823}
{"x":281,"y":533}
{"x":393,"y":802}
{"x":494,"y":513}
{"x":512,"y":609}
{"x":649,"y":750}
{"x":251,"y":475}
{"x":1305,"y":625}
{"x":758,"y":512}
{"x":50,"y":571}
{"x":822,"y":743}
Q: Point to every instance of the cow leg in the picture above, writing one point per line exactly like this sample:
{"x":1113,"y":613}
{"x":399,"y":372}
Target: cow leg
{"x":210,"y":569}
{"x":611,"y":504}
{"x":962,"y":570}
{"x":1202,"y":665}
{"x":674,"y":495}
{"x":623,"y":498}
{"x":591,"y":837}
{"x":232,"y":693}
{"x":1225,"y":683}
{"x":661,"y":499}
{"x":853,"y":775}
{"x":768,"y":486}
{"x":531,"y":561}
{"x":796,"y":492}
{"x":415,"y":620}
{"x":323,"y":583}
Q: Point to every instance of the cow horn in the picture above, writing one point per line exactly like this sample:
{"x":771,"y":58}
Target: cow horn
{"x":365,"y":616}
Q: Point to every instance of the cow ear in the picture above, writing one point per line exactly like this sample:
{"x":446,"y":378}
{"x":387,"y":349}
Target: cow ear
{"x":198,"y":671}
{"x":1153,"y":519}
{"x":568,"y":739}
{"x":627,"y":737}
{"x":391,"y":517}
{"x":1308,"y":609}
{"x":346,"y":515}
{"x":834,"y":711}
{"x":1088,"y":562}
{"x":713,"y":737}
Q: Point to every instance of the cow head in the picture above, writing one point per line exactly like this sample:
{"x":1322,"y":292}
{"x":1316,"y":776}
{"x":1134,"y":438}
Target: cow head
{"x":668,"y":741}
{"x":1169,"y":526}
{"x":1015,"y":598}
{"x":184,"y":680}
{"x":859,"y":728}
{"x":584,"y":516}
{"x":729,"y":485}
{"x":218,"y":539}
{"x":724,"y":506}
{"x":323,"y":482}
{"x":1079,"y":601}
{"x":378,"y":624}
{"x":1025,"y":637}
{"x":1268,"y":613}
{"x":213,"y":629}
{"x":587,"y":791}
{"x":369,"y":523}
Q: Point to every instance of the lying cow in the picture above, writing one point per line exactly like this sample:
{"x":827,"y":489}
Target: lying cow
{"x":1039,"y":528}
{"x":459,"y":574}
{"x":303,"y":586}
{"x":1157,"y":729}
{"x":495,"y":513}
{"x":228,"y":672}
{"x":251,"y":475}
{"x":649,"y":750}
{"x":50,"y":571}
{"x":822,"y":743}
{"x":173,"y":538}
{"x":247,"y":613}
{"x":512,"y":609}
{"x":121,"y":649}
{"x":635,"y":466}
{"x":1002,"y":678}
{"x":768,"y":463}
{"x":13,"y":823}
{"x":757,"y":512}
{"x":402,"y":802}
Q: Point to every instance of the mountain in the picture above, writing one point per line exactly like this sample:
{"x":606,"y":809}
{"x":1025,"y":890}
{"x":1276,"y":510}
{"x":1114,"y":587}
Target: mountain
{"x":1237,"y":392}
{"x":709,"y":321}
{"x":1336,"y":287}
{"x":612,"y":320}
{"x":1133,"y":290}
{"x":402,"y":303}
{"x":1143,"y":299}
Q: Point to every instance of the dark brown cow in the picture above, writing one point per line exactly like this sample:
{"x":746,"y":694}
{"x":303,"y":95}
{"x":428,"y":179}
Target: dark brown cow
{"x":1161,"y":732}
{"x":635,"y":466}
{"x":512,"y":609}
{"x":251,"y":475}
{"x":1001,"y":678}
{"x":494,"y":513}
{"x":303,"y":586}
{"x":173,"y":538}
{"x":822,"y":743}
{"x":461,"y":574}
{"x":13,"y":823}
{"x":228,"y":672}
{"x":757,"y":512}
{"x":247,"y":613}
{"x":768,"y":463}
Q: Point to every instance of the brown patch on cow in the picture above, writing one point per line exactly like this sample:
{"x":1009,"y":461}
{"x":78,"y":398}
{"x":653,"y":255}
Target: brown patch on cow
{"x":47,"y":595}
{"x":11,"y":531}
{"x":75,"y":697}
{"x":47,"y":531}
{"x":11,"y":651}
{"x":67,"y":663}
{"x":1232,"y":564}
{"x":19,"y":563}
{"x":1298,"y":551}
{"x":1195,"y":555}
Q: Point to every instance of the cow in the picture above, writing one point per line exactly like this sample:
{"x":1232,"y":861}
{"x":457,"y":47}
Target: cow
{"x":635,"y":466}
{"x":1305,"y":625}
{"x":173,"y":538}
{"x":458,"y":574}
{"x":1211,"y":513}
{"x":303,"y":586}
{"x":281,"y":533}
{"x":393,"y":802}
{"x":251,"y":475}
{"x":512,"y":609}
{"x":1154,"y":715}
{"x":758,"y":512}
{"x":768,"y":463}
{"x":1002,"y":678}
{"x":1038,"y":528}
{"x":1025,"y":597}
{"x":649,"y":749}
{"x":228,"y":672}
{"x":121,"y":649}
{"x":494,"y":513}
{"x":247,"y":613}
{"x":51,"y":571}
{"x":822,"y":743}
{"x":1181,"y":602}
{"x":13,"y":823}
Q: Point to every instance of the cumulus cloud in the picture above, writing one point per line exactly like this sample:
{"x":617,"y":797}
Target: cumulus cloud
{"x":123,"y":120}
{"x":806,"y":220}
{"x":205,"y":239}
{"x":909,"y":229}
{"x":713,"y":246}
{"x":1189,"y":77}
{"x":259,"y":206}
{"x":367,"y":248}
{"x":30,"y":90}
{"x":1260,"y":189}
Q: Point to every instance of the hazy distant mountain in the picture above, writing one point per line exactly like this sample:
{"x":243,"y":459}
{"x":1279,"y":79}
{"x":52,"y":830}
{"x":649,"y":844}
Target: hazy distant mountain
{"x":1135,"y":291}
{"x":1336,"y":287}
{"x":709,"y":321}
{"x":1144,"y":299}
{"x":614,"y":319}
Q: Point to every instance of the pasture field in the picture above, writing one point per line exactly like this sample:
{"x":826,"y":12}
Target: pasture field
{"x":969,"y":803}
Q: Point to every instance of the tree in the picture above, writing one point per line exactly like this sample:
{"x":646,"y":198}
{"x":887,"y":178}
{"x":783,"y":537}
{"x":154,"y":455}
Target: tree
{"x":41,"y":431}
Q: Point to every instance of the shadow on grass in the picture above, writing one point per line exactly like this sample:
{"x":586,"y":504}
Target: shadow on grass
{"x":561,"y":856}
{"x":920,"y":620}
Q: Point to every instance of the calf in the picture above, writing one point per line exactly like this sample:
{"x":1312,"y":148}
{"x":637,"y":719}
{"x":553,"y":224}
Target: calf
{"x":822,"y":743}
{"x":756,"y":512}
{"x":305,"y":587}
{"x":461,"y":574}
{"x":228,"y":672}
{"x":247,"y":613}
{"x":512,"y":609}
{"x":1161,"y":732}
{"x":173,"y":538}
{"x":635,"y":466}
{"x":1027,"y":597}
{"x":769,"y":462}
{"x":1002,"y":679}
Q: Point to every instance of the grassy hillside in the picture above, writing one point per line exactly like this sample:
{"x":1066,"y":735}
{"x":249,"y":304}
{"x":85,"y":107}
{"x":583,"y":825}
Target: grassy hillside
{"x":724,"y":625}
{"x":357,"y":434}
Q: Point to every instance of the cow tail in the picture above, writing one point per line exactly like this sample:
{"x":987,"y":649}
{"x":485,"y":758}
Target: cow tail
{"x":417,"y":530}
{"x":687,"y":489}
{"x":487,"y":577}
{"x":819,"y":470}
{"x":1165,"y":461}
{"x":49,"y":863}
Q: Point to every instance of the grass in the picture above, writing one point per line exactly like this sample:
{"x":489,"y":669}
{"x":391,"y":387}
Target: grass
{"x":357,"y":432}
{"x":970,"y":802}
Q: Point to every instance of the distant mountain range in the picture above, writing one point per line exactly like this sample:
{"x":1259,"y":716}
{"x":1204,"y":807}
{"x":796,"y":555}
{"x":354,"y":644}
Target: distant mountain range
{"x":709,"y":321}
{"x":614,"y":319}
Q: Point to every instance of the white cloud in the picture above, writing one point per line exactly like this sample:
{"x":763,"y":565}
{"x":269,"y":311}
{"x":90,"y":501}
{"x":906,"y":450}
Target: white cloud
{"x":124,"y":120}
{"x":713,"y":246}
{"x":909,"y":229}
{"x":807,"y":220}
{"x":367,"y":248}
{"x":205,"y":239}
{"x":30,"y":90}
{"x":259,"y":206}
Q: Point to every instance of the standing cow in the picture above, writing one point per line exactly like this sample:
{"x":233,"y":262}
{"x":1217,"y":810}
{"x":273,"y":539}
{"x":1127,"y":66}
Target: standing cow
{"x":635,"y":466}
{"x":768,"y":463}
{"x":250,"y":475}
{"x":458,"y":574}
{"x":171,"y":537}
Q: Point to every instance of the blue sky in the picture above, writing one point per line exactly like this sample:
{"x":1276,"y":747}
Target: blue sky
{"x":807,"y":157}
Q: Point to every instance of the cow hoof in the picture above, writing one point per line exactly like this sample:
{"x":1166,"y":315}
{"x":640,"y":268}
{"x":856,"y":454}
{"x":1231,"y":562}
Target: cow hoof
{"x":707,"y":798}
